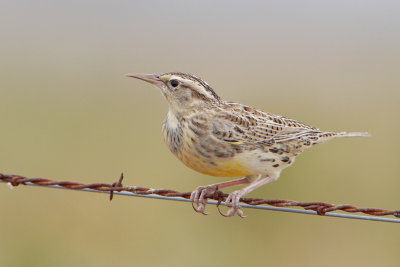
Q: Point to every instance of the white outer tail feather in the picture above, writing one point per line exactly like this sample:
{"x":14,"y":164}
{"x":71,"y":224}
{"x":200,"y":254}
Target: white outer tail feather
{"x":352,"y":134}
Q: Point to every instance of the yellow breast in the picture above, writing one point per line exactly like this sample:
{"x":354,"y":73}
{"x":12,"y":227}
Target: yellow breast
{"x":210,"y":165}
{"x":202,"y":153}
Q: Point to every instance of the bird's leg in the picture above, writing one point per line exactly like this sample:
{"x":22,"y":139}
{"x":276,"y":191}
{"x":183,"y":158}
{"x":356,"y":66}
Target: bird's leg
{"x":234,"y":197}
{"x":198,"y":196}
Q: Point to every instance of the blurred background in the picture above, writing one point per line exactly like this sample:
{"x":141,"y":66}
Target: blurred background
{"x":67,"y":112}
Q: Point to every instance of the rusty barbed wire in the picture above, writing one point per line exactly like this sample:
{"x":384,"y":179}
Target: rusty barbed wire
{"x":320,"y":208}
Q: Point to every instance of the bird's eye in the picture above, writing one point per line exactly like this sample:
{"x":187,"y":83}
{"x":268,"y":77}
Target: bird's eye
{"x":174,"y":83}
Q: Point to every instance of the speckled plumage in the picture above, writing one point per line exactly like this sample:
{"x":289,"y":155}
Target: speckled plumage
{"x":228,"y":139}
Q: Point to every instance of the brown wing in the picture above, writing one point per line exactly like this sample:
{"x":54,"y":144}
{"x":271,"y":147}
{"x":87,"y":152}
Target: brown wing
{"x":241,"y":124}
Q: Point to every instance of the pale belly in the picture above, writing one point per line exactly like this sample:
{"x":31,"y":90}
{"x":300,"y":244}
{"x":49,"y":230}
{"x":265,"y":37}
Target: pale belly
{"x":232,"y":167}
{"x":250,"y":162}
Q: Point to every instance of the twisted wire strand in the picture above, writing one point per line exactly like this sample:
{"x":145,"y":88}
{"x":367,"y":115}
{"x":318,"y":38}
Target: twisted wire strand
{"x":319,"y":208}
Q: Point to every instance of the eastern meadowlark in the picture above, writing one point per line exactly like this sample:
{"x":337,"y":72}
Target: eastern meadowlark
{"x":227,"y":139}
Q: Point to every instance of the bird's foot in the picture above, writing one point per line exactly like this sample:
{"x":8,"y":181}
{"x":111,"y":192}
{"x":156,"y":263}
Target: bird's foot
{"x":198,"y":198}
{"x":232,"y":201}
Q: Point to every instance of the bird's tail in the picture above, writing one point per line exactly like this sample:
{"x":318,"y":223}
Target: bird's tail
{"x":323,"y":137}
{"x":351,"y":134}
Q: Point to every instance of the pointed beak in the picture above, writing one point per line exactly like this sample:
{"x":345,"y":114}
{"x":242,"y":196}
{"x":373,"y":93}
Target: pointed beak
{"x":150,"y":78}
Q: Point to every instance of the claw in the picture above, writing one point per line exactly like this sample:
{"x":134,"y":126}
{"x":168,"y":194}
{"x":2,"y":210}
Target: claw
{"x":200,"y":209}
{"x":233,"y":202}
{"x":193,"y":197}
{"x":232,"y":212}
{"x":240,"y":213}
{"x":199,"y":200}
{"x":195,"y":204}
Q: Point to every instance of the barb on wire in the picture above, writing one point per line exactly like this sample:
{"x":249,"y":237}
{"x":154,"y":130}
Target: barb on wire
{"x":219,"y":197}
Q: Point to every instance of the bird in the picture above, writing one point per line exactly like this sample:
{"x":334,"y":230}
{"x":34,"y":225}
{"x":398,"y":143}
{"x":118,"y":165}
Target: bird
{"x":227,"y":139}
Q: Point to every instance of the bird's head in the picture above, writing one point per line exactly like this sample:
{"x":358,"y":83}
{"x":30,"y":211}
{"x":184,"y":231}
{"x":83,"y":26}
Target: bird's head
{"x":182,"y":91}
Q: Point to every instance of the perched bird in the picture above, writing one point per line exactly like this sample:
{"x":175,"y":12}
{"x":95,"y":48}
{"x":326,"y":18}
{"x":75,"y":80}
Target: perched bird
{"x":227,"y":139}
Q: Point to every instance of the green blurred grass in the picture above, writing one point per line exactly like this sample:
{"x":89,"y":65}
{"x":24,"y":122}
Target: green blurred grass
{"x":67,"y":112}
